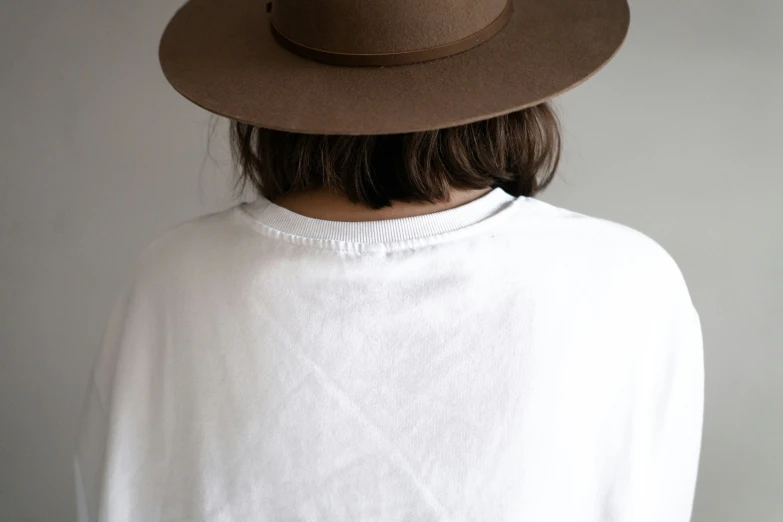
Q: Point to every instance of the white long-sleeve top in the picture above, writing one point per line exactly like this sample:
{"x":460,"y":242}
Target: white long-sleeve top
{"x":505,"y":360}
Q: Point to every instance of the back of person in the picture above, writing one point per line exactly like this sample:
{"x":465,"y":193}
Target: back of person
{"x":395,"y":328}
{"x":271,"y":366}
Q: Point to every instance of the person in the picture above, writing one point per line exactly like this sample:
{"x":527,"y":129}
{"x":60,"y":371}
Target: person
{"x":394,"y":328}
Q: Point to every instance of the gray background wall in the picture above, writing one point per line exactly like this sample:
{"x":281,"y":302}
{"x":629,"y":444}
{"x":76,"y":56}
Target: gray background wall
{"x":680,"y":137}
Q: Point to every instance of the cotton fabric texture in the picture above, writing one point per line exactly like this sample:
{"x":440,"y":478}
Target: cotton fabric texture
{"x":505,"y":360}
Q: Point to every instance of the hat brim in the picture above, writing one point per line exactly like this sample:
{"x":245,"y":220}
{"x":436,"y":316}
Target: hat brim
{"x":221,"y":55}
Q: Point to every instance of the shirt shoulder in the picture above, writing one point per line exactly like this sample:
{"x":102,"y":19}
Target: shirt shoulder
{"x":633,"y":290}
{"x":188,"y":251}
{"x":635,"y":262}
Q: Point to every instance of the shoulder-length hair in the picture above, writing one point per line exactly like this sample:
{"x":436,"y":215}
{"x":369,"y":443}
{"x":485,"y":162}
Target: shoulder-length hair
{"x":518,"y":152}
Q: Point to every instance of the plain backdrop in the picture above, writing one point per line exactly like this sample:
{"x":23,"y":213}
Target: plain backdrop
{"x":679,"y":137}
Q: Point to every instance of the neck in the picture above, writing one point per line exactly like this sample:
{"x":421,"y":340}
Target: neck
{"x":322,"y":204}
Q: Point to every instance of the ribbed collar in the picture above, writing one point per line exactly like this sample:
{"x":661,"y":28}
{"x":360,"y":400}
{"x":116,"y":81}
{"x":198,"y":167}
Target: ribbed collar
{"x":383,"y":231}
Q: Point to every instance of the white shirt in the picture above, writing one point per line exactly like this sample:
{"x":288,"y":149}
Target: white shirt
{"x":505,"y":360}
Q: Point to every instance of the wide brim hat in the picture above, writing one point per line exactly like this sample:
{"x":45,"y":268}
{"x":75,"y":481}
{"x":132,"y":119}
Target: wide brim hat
{"x":362,"y":67}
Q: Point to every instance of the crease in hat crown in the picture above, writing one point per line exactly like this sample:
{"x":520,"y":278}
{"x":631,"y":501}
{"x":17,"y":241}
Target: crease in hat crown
{"x":420,"y":29}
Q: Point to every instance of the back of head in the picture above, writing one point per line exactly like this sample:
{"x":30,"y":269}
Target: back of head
{"x":518,"y":152}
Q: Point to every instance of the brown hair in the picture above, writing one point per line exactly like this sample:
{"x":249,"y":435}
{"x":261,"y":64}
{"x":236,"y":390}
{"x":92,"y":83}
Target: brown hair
{"x":518,"y":152}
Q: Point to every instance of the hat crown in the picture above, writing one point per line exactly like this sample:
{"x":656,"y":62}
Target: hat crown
{"x":382,"y":26}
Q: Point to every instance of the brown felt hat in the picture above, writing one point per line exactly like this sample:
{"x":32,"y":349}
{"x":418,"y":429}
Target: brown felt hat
{"x":384,"y":66}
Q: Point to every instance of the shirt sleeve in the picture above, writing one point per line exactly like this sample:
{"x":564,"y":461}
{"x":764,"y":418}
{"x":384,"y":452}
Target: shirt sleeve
{"x":90,"y":450}
{"x":670,"y":425}
{"x":681,"y":404}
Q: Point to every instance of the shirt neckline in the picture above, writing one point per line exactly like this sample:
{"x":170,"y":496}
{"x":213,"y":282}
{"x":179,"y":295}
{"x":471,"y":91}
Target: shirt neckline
{"x":286,"y":221}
